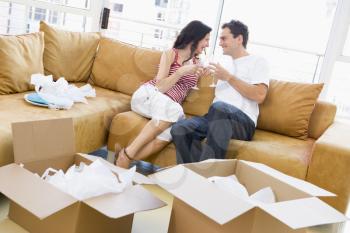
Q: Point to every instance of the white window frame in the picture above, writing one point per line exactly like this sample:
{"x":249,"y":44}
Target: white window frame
{"x":335,"y":45}
{"x":94,"y":11}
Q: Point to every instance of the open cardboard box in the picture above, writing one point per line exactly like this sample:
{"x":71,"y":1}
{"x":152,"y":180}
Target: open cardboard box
{"x":39,"y":207}
{"x":200,"y":206}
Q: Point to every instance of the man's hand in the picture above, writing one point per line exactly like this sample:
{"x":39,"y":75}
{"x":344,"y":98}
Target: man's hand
{"x":219,"y":71}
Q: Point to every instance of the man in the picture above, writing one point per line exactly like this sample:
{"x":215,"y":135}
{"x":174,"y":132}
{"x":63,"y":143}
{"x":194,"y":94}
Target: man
{"x":242,"y":85}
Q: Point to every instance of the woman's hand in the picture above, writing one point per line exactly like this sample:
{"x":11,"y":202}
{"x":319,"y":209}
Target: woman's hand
{"x":202,"y":72}
{"x":187,"y":69}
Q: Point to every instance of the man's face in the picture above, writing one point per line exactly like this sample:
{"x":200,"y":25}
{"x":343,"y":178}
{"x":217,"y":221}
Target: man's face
{"x":228,"y":43}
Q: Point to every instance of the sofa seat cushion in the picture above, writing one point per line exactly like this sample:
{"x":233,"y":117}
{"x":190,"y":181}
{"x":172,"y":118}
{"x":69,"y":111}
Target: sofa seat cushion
{"x":91,"y":121}
{"x":286,"y":154}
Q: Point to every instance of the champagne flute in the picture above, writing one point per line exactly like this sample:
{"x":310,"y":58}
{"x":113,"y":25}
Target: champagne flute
{"x":212,"y":59}
{"x":204,"y":62}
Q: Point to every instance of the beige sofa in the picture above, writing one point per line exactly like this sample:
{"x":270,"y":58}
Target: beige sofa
{"x":291,"y":136}
{"x":304,"y":143}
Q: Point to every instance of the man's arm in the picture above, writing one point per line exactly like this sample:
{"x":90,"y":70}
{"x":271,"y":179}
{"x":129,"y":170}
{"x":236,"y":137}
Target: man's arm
{"x":256,"y":92}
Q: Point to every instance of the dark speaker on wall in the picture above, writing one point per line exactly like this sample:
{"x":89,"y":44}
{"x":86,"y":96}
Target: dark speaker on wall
{"x":105,"y":17}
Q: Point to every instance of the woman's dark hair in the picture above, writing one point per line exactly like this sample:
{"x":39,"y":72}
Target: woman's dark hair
{"x":192,"y":33}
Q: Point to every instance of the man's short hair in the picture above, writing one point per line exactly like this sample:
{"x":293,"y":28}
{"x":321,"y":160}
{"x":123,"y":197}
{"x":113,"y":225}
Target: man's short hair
{"x":238,"y":28}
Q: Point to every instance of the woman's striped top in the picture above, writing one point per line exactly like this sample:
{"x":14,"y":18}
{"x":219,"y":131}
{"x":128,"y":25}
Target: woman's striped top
{"x":179,"y":91}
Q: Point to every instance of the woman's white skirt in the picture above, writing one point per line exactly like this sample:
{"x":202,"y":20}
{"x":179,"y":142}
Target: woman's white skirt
{"x":149,"y":102}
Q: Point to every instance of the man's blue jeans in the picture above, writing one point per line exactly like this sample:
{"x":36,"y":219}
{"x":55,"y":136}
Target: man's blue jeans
{"x":222,"y":123}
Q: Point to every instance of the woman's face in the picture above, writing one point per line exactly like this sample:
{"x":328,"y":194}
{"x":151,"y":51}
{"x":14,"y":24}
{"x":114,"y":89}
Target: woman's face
{"x":202,"y":44}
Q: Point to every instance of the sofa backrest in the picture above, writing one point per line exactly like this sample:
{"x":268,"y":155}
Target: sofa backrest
{"x":122,"y":67}
{"x":288,"y":108}
{"x":302,"y":117}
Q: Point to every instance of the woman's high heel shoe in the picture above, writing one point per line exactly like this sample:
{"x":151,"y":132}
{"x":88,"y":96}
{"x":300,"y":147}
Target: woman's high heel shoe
{"x":123,"y":160}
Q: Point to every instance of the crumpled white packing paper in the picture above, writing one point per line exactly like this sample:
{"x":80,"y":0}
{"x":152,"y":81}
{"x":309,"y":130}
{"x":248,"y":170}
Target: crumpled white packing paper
{"x":60,"y":94}
{"x":86,"y":181}
{"x":232,"y":185}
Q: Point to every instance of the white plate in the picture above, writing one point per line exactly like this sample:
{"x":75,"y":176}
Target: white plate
{"x":34,"y":103}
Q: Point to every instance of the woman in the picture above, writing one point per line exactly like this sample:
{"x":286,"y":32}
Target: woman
{"x":160,"y":98}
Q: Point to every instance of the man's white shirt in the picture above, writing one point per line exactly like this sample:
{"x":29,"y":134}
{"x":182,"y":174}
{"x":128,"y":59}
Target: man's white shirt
{"x":251,"y":69}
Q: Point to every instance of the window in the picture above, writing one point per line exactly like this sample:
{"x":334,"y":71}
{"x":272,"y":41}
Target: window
{"x":24,"y":17}
{"x":12,"y":18}
{"x":293,"y":38}
{"x":141,"y":28}
{"x":40,"y":14}
{"x":53,"y":17}
{"x":289,"y":65}
{"x":346,"y":51}
{"x":338,"y":91}
{"x":117,"y":7}
{"x":160,"y":16}
{"x":158,"y":33}
{"x":81,"y":4}
{"x":161,"y":3}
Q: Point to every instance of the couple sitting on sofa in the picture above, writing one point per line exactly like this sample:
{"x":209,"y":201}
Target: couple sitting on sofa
{"x":242,"y":85}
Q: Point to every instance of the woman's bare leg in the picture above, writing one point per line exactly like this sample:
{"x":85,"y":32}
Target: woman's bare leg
{"x":150,"y":148}
{"x":149,"y":132}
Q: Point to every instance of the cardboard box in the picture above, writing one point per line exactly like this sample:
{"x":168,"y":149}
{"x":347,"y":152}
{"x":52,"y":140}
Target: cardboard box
{"x":200,"y":206}
{"x":40,"y":207}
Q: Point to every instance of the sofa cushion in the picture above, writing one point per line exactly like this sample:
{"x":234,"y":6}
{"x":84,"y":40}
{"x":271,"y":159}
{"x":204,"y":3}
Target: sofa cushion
{"x":20,"y":57}
{"x":286,"y":154}
{"x":69,"y":54}
{"x":197,"y":103}
{"x":287,"y":108}
{"x":123,"y":67}
{"x":91,"y":121}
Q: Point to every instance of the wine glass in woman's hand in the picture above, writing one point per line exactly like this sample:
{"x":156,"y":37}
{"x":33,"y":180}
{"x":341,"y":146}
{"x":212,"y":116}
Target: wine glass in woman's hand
{"x":209,"y":58}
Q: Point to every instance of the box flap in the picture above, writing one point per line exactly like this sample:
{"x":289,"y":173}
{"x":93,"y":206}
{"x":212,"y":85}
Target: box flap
{"x":138,"y":178}
{"x":200,"y":194}
{"x":43,"y":199}
{"x":213,"y":167}
{"x":302,"y":185}
{"x":305,"y":212}
{"x":132,"y":200}
{"x":46,"y":139}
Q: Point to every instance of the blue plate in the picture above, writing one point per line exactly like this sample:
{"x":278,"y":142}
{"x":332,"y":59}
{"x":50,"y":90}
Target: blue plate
{"x":35,"y":99}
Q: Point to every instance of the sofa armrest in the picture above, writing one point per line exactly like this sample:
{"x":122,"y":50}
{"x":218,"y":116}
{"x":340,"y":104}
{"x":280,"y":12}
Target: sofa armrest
{"x":329,"y":167}
{"x":124,"y":128}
